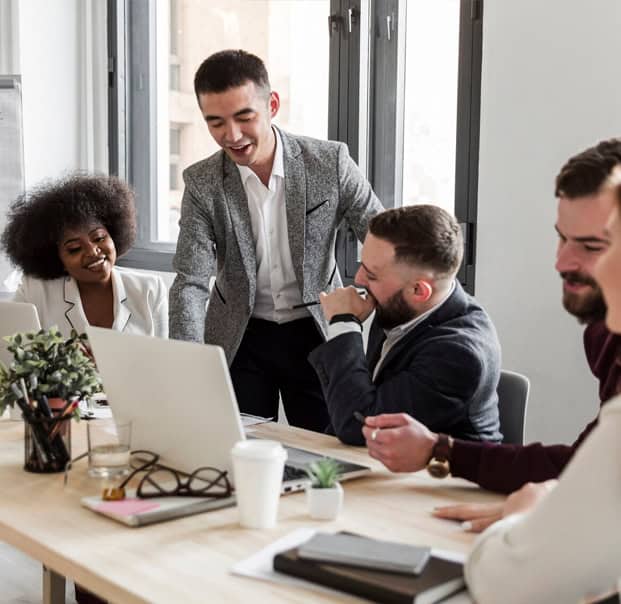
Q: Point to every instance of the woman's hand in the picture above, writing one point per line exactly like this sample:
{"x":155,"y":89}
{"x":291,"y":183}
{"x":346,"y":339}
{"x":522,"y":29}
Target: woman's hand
{"x":527,"y":497}
{"x":476,"y":517}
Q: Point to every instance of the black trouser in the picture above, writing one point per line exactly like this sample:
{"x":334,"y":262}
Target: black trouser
{"x":272,"y":358}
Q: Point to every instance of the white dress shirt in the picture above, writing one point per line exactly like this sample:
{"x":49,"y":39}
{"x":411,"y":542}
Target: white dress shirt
{"x":277,"y":286}
{"x":569,"y":546}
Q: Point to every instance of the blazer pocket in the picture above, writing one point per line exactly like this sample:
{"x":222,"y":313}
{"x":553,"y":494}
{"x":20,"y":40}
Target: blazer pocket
{"x":309,"y":212}
{"x":215,"y":286}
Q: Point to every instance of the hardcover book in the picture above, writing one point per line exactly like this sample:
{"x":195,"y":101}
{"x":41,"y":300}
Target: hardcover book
{"x":439,"y":579}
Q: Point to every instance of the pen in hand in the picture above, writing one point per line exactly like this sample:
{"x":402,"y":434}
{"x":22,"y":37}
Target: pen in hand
{"x":315,"y":302}
{"x":361,"y":418}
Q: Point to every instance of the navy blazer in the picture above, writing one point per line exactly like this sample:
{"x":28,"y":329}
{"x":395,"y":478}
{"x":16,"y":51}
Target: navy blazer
{"x":444,"y":373}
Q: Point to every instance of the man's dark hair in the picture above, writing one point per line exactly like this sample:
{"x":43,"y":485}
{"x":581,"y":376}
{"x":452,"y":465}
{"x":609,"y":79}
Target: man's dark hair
{"x":37,"y":220}
{"x":585,"y":173}
{"x":230,"y":69}
{"x":423,"y":235}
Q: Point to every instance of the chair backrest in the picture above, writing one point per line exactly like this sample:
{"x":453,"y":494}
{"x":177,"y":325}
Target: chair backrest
{"x":513,"y":389}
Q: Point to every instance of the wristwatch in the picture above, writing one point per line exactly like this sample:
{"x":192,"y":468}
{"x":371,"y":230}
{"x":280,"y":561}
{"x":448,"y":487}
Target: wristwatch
{"x":439,"y":465}
{"x":344,"y":318}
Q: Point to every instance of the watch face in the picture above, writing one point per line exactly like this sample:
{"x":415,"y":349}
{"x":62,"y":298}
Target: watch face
{"x":438,"y":468}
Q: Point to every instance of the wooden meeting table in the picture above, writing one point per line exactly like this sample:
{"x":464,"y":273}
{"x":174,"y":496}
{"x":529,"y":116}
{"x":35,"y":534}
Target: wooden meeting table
{"x":189,"y":559}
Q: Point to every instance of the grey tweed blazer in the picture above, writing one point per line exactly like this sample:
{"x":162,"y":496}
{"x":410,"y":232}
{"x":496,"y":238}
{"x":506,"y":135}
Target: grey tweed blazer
{"x":323,"y":189}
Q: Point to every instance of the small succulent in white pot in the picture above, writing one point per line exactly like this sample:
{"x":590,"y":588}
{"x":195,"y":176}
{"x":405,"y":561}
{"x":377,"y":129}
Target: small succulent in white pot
{"x":325,"y":494}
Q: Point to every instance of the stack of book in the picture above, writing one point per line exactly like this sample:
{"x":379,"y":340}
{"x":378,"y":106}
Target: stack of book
{"x":380,"y":571}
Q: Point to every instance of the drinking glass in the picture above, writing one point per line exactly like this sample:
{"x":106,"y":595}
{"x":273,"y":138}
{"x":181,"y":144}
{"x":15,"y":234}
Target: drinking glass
{"x":109,"y":444}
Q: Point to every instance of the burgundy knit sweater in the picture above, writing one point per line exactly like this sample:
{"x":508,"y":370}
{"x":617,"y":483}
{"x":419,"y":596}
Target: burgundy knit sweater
{"x":505,"y":468}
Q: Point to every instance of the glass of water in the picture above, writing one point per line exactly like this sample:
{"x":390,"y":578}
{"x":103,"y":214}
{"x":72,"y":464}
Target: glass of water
{"x":109,"y":445}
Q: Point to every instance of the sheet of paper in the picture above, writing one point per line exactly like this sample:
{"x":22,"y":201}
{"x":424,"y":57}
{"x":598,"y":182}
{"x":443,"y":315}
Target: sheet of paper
{"x":260,"y":565}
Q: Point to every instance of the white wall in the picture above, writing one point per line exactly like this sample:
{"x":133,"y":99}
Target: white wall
{"x":49,"y":58}
{"x":550,"y":88}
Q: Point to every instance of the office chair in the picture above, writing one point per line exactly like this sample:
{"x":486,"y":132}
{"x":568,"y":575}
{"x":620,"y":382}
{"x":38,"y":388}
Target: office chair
{"x":513,"y":389}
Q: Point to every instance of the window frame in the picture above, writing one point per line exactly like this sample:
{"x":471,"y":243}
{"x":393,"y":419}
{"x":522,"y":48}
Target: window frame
{"x":386,"y":121}
{"x":133,"y":97}
{"x":133,"y":156}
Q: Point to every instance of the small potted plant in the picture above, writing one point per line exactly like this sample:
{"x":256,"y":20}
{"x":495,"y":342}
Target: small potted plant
{"x":325,"y":494}
{"x":46,"y":378}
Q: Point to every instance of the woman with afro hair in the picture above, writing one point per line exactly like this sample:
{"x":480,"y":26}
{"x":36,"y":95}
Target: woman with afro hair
{"x":66,"y":237}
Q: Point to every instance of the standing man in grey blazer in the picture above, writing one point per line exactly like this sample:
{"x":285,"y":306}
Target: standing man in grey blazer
{"x":261,"y":215}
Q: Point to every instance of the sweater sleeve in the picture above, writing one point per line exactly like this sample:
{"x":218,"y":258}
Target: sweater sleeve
{"x":569,"y":546}
{"x":505,"y":468}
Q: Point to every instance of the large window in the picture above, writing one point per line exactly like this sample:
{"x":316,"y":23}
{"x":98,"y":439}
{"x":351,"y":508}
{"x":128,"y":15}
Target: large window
{"x":398,"y":81}
{"x":430,"y":102}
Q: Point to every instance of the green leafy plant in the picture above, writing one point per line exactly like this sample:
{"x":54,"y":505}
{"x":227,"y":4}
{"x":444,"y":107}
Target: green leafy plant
{"x":324,"y":473}
{"x":49,"y":365}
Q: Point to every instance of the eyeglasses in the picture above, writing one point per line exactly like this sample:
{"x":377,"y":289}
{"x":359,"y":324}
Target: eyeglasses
{"x":161,"y":481}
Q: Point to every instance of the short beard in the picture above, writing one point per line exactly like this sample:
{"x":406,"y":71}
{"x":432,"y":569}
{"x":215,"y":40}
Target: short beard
{"x":394,"y":312}
{"x":588,"y":308}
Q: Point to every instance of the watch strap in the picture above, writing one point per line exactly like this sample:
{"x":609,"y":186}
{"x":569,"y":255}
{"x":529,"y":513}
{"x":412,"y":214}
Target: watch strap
{"x":346,"y":317}
{"x":443,"y":448}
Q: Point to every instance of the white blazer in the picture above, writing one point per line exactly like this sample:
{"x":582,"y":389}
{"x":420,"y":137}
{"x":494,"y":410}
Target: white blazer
{"x":140,"y":303}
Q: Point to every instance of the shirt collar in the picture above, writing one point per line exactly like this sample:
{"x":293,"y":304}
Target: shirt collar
{"x":400,"y":330}
{"x":278,"y":167}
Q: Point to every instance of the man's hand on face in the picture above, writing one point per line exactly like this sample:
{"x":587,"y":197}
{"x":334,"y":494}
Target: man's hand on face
{"x":347,"y":300}
{"x":476,"y":517}
{"x":400,"y":442}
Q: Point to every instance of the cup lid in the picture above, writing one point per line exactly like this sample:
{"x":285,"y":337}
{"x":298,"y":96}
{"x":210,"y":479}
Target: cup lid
{"x":259,"y":449}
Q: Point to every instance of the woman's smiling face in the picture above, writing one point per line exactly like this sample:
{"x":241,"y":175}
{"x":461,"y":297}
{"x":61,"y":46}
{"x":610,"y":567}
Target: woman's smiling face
{"x":88,"y":253}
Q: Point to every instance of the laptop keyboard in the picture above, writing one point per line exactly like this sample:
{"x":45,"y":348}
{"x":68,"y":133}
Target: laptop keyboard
{"x":291,"y":473}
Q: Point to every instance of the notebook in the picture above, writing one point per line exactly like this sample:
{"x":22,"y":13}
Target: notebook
{"x":141,"y":512}
{"x":180,"y":400}
{"x":440,"y":579}
{"x":354,"y":550}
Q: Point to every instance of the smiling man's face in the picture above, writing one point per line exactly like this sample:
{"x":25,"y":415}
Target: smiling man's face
{"x":581,"y":225}
{"x":240,"y":121}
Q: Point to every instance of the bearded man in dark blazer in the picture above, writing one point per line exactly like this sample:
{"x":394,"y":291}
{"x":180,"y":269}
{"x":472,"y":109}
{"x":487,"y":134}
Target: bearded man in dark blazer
{"x":433,"y":352}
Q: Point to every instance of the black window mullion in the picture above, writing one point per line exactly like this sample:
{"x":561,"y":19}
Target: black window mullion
{"x":468,"y":121}
{"x":344,"y":120}
{"x":383,"y":100}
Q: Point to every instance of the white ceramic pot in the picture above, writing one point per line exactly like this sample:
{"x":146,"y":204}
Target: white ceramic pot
{"x":324,"y":504}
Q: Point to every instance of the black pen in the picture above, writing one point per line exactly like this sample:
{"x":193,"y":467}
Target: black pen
{"x":305,"y":304}
{"x":315,"y":302}
{"x":361,"y":418}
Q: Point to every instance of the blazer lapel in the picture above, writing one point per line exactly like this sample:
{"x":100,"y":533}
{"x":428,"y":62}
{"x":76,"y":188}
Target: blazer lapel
{"x":374,"y":345}
{"x":73,"y":305}
{"x":237,"y":204}
{"x":121,"y":311}
{"x":295,"y":200}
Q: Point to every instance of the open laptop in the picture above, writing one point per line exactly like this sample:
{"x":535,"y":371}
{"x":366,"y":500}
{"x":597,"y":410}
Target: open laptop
{"x":16,"y":317}
{"x":181,"y":402}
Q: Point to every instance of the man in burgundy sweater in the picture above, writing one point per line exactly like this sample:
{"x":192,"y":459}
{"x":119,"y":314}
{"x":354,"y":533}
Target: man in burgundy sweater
{"x":405,"y":445}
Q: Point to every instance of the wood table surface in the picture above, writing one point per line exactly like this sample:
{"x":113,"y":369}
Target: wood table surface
{"x":189,"y":559}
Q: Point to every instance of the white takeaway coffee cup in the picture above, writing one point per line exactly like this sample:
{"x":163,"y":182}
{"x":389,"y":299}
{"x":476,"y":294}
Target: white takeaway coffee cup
{"x":257,"y":474}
